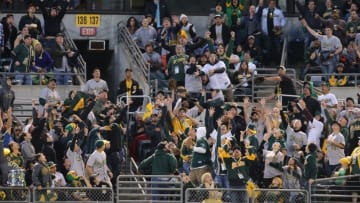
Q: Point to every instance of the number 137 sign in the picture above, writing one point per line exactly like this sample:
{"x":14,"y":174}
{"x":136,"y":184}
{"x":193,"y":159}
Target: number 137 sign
{"x":87,"y":20}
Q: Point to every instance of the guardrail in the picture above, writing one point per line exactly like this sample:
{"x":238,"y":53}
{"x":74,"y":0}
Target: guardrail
{"x":149,"y":188}
{"x":81,"y":68}
{"x":74,"y":194}
{"x":280,"y":195}
{"x":336,"y":189}
{"x":15,"y":194}
{"x":352,"y":79}
{"x":132,"y":50}
{"x":28,"y":77}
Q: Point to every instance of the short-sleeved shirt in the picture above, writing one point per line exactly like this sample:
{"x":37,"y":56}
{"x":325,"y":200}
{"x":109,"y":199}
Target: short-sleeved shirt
{"x":329,"y":98}
{"x":329,"y":43}
{"x":335,"y":153}
{"x":97,"y":161}
{"x":94,"y":87}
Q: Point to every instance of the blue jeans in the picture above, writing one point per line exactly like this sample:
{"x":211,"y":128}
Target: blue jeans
{"x":157,"y":187}
{"x":328,"y":67}
{"x":238,"y":196}
{"x":23,"y":79}
{"x":223,"y":182}
{"x":61,"y":79}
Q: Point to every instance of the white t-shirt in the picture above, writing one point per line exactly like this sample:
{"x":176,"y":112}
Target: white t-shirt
{"x":94,"y":87}
{"x":329,"y":98}
{"x":335,"y":153}
{"x":97,"y":161}
{"x":218,"y":80}
{"x":314,"y":130}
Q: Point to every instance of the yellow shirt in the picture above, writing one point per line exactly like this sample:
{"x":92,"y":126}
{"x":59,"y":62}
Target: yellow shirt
{"x":128,"y":86}
{"x":179,"y":127}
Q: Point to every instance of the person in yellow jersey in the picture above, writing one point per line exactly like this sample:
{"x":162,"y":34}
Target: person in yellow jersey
{"x":130,"y":87}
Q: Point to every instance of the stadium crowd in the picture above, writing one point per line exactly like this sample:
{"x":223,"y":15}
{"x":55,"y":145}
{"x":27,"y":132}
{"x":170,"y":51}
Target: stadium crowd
{"x":197,"y":130}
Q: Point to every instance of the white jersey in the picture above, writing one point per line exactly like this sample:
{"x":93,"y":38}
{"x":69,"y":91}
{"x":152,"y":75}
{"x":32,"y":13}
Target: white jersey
{"x":218,"y":80}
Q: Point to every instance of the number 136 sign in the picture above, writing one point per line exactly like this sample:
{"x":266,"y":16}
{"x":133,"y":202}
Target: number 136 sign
{"x":87,"y":20}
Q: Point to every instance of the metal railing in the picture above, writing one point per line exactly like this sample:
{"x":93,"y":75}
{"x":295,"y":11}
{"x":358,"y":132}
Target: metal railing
{"x":280,"y":195}
{"x":149,"y":188}
{"x":74,"y":194}
{"x":15,"y":194}
{"x":353,"y":79}
{"x":217,"y":195}
{"x":132,"y":50}
{"x":80,"y":70}
{"x":284,"y":53}
{"x":264,"y":89}
{"x":336,"y":189}
{"x":30,"y":76}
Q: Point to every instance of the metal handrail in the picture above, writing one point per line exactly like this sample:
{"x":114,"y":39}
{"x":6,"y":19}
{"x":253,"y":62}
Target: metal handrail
{"x":82,"y":64}
{"x":284,"y":53}
{"x":132,"y":50}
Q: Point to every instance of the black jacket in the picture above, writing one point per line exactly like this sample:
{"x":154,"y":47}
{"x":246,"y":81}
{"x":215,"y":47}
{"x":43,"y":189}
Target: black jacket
{"x":52,"y":24}
{"x":225,"y":33}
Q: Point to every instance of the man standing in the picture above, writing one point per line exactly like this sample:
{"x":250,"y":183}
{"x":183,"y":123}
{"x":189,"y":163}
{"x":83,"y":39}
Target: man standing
{"x":272,"y":23}
{"x":176,"y":65}
{"x":220,"y":32}
{"x":31,"y":21}
{"x":201,"y":156}
{"x":7,"y":95}
{"x":330,"y":47}
{"x":162,"y":163}
{"x":53,"y":17}
{"x":49,"y":95}
{"x":285,"y":86}
{"x":97,"y":162}
{"x":23,"y":60}
{"x":41,"y":176}
{"x":61,"y":55}
{"x":130,"y":87}
{"x":327,"y":97}
{"x":96,"y":84}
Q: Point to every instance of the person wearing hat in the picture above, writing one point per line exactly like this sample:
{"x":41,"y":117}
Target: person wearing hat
{"x":338,"y":80}
{"x":296,"y":139}
{"x":130,"y":87}
{"x":31,"y":21}
{"x":285,"y":85}
{"x":62,"y":55}
{"x":58,"y":180}
{"x":53,"y":17}
{"x":74,"y":154}
{"x":335,"y":144}
{"x":237,"y":169}
{"x":23,"y":60}
{"x":187,"y":27}
{"x":220,"y":32}
{"x":97,"y":162}
{"x":49,"y":95}
{"x":154,"y":62}
{"x":218,"y":9}
{"x":201,"y":156}
{"x":251,"y":140}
